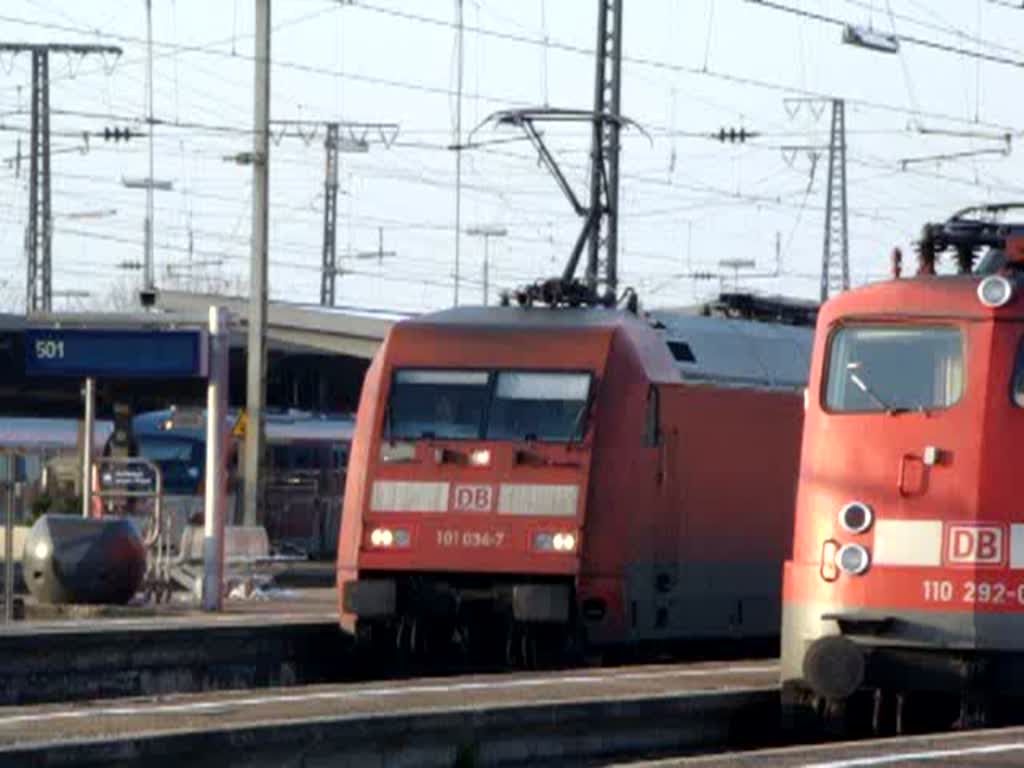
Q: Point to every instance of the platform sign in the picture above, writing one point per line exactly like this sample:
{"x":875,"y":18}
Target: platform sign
{"x":115,"y":353}
{"x":134,"y":477}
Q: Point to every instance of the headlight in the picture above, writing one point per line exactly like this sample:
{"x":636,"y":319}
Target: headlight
{"x":480,"y":458}
{"x":995,"y":291}
{"x":554,"y":542}
{"x":381,"y":537}
{"x":853,"y":559}
{"x":564,"y":542}
{"x":856,"y":517}
{"x":42,"y":550}
{"x":388,"y":537}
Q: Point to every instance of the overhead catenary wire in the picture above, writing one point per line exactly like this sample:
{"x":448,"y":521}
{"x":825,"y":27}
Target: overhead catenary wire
{"x":959,"y":50}
{"x":207,"y":128}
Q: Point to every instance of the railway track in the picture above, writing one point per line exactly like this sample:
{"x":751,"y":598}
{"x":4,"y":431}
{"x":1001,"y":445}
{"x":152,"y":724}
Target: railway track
{"x":990,"y":748}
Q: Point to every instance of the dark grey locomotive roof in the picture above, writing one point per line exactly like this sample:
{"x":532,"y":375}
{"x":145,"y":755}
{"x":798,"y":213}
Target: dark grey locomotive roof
{"x":738,"y":352}
{"x":741,"y":353}
{"x":518,"y":318}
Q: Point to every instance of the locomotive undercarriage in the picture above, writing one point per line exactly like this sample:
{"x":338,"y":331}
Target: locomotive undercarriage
{"x":891,"y":675}
{"x":915,"y":691}
{"x":513,"y":620}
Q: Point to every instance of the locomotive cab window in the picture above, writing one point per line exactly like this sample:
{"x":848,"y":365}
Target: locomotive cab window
{"x":538,"y":406}
{"x":894,"y":368}
{"x":181,"y":461}
{"x":437,"y":403}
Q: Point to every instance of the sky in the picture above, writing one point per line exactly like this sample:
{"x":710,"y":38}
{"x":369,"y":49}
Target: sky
{"x":687,"y":201}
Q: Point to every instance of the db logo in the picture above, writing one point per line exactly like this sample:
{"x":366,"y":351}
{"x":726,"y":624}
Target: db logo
{"x":973,"y":544}
{"x":473,"y":498}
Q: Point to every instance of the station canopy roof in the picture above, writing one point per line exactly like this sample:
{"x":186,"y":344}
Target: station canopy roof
{"x":355,"y":332}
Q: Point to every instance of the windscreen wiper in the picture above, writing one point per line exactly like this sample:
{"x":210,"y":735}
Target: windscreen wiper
{"x":851,"y":369}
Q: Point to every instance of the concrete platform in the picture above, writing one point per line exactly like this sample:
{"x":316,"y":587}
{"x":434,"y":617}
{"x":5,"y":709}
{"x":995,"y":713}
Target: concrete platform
{"x":286,"y":605}
{"x":496,"y":719}
{"x":92,"y":653}
{"x":1000,"y":747}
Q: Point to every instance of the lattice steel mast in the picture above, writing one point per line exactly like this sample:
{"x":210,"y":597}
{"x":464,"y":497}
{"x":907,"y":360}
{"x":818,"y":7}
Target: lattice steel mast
{"x":604,"y":153}
{"x":39,"y":230}
{"x":328,"y":273}
{"x":835,"y":259}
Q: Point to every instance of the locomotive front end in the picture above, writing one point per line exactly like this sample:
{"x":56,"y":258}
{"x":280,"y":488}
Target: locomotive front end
{"x":907,"y":577}
{"x":465,"y":507}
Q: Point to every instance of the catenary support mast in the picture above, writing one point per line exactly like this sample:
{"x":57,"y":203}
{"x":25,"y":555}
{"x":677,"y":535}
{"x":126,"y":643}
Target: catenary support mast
{"x":256,"y":365}
{"x":835,"y":258}
{"x":39,"y":230}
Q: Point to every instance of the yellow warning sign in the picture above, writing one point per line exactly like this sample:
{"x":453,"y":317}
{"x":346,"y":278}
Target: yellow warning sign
{"x":241,"y":424}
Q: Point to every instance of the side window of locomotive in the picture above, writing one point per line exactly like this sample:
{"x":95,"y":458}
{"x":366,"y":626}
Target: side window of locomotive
{"x":681,"y":352}
{"x":1018,"y":377}
{"x":652,"y":430}
{"x":894,"y":368}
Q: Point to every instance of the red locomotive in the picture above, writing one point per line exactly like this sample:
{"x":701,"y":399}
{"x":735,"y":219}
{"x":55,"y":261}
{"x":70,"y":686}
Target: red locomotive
{"x":529,"y":479}
{"x":904,"y":597}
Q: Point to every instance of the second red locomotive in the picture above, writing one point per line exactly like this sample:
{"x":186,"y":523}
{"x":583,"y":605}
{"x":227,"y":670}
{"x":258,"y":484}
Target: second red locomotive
{"x":904,"y":598}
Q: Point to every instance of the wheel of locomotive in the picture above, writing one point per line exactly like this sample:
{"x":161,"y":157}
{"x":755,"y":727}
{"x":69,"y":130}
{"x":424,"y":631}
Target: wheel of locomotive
{"x":405,"y":637}
{"x":439,"y":640}
{"x":512,"y":641}
{"x":528,"y":647}
{"x":550,"y":646}
{"x":485,"y":642}
{"x":801,"y":715}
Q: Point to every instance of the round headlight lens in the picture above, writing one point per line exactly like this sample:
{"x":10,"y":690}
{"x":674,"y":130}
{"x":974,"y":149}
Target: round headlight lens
{"x":382,"y":537}
{"x":856,"y":517}
{"x":563,"y":542}
{"x":995,"y":291}
{"x":853,"y":559}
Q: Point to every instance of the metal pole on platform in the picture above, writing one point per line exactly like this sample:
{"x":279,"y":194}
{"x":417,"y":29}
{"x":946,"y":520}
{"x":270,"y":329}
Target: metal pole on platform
{"x":216,"y":465}
{"x":89,"y":393}
{"x":9,"y":544}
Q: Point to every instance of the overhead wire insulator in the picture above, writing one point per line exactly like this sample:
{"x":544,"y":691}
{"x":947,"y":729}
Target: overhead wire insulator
{"x":117,"y":134}
{"x":734,"y":135}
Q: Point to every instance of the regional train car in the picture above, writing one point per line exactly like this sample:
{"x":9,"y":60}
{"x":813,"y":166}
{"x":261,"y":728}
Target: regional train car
{"x":531,"y":480}
{"x":307,"y":456}
{"x":904,"y":597}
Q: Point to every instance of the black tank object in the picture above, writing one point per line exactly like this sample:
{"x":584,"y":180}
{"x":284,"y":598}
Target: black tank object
{"x":71,"y":559}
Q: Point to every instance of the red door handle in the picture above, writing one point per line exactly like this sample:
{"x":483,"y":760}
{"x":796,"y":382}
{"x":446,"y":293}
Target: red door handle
{"x":901,"y":481}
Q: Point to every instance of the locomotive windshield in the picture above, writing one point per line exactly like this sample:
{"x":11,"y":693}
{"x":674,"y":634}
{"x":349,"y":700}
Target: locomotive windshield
{"x":180,"y":460}
{"x":538,"y":406}
{"x":503,"y":405}
{"x":894,"y":368}
{"x":444,"y":404}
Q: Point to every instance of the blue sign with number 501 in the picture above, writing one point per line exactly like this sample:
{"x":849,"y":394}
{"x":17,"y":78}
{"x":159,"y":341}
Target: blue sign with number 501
{"x":115,"y":353}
